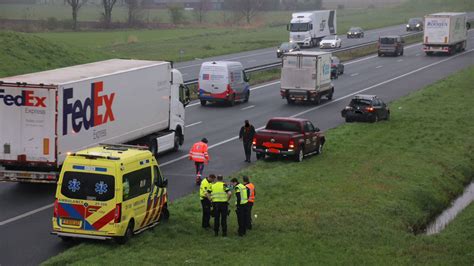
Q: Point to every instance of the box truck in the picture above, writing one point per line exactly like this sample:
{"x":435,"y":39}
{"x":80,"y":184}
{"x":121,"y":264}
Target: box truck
{"x":46,"y":115}
{"x":445,"y":33}
{"x":306,"y":76}
{"x":308,"y":28}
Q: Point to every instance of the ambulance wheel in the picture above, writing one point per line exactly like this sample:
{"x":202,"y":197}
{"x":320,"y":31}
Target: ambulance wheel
{"x":203,"y":102}
{"x":66,"y":238}
{"x":165,"y":214}
{"x":128,"y":234}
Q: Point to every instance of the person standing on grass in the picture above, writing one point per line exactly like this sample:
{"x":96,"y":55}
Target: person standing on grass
{"x":247,"y":131}
{"x":220,"y":195}
{"x":241,"y":195}
{"x":251,"y":194}
{"x":205,"y":202}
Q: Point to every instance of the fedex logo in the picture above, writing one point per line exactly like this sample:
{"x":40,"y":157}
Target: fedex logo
{"x":87,"y":113}
{"x":26,"y":98}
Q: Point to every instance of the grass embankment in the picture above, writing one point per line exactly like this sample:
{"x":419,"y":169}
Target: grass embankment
{"x":23,"y":53}
{"x":359,"y":203}
{"x":211,"y":39}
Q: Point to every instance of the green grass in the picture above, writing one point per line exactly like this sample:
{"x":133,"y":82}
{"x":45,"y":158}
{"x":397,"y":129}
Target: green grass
{"x":359,"y":203}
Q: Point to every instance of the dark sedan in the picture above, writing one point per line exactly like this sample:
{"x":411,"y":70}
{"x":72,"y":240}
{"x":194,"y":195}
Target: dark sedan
{"x":366,"y":108}
{"x":355,"y":32}
{"x":415,"y":24}
{"x":337,"y":68}
{"x":287,"y":47}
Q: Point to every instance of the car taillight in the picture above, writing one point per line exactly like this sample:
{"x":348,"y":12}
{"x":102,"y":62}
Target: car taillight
{"x":370,"y":109}
{"x":291,"y":145}
{"x":56,"y":208}
{"x":254,"y":141}
{"x":118,"y":213}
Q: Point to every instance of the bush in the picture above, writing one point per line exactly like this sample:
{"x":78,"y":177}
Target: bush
{"x":176,"y":13}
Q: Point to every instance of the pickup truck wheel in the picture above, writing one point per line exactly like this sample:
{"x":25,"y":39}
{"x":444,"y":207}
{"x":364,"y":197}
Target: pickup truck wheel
{"x":300,"y":155}
{"x":203,"y":102}
{"x":260,"y":155}
{"x":320,"y":149}
{"x":128,"y":234}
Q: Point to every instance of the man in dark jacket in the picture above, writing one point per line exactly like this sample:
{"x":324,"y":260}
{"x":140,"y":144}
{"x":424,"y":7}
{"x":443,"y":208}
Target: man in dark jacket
{"x":246,"y":135}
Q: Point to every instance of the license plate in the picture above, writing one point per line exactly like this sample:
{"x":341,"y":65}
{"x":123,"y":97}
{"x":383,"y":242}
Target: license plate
{"x":71,"y":222}
{"x":273,"y":150}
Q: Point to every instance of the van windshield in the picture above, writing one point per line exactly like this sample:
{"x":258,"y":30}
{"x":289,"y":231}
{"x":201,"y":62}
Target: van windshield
{"x":387,"y":40}
{"x":88,"y":186}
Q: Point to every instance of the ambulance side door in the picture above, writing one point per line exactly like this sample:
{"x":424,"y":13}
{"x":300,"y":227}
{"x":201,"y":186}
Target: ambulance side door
{"x":140,"y":184}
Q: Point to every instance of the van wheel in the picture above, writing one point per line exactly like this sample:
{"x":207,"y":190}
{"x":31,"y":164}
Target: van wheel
{"x":128,"y":234}
{"x":203,"y":102}
{"x":300,"y":155}
{"x":232,"y":100}
{"x":176,"y":140}
{"x":247,"y":96}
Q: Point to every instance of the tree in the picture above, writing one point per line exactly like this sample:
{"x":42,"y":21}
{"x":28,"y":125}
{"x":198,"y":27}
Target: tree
{"x":247,"y":8}
{"x":76,"y":5}
{"x":134,"y":9}
{"x":203,"y":6}
{"x":176,"y":13}
{"x":107,"y":15}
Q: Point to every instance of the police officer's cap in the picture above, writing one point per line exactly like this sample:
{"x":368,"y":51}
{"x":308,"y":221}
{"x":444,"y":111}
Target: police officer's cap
{"x":204,"y":140}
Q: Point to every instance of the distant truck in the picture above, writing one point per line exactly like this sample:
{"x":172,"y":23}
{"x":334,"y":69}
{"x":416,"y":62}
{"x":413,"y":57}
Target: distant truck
{"x":308,"y":28}
{"x":445,"y":33}
{"x":46,"y":115}
{"x":306,"y":76}
{"x":288,"y":137}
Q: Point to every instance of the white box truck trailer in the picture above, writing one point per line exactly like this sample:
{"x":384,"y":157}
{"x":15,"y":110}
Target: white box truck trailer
{"x":46,"y":115}
{"x":306,"y":76}
{"x":309,"y":28}
{"x":445,"y":33}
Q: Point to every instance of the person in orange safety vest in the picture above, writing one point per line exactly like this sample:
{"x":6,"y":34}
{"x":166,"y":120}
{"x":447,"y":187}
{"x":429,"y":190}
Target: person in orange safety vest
{"x":199,"y":155}
{"x":251,"y":188}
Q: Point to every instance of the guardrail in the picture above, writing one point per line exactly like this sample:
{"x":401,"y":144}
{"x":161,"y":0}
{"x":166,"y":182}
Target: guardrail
{"x":278,"y":64}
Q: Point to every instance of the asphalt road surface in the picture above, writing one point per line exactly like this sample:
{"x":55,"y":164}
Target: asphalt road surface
{"x":26,"y":209}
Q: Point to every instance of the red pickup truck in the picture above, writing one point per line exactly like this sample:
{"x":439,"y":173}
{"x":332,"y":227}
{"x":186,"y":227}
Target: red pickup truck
{"x":291,"y":137}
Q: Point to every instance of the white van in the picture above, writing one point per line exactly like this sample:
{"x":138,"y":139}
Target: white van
{"x":223,"y":81}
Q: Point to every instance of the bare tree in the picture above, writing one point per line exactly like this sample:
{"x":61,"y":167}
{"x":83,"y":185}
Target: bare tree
{"x":134,"y":9}
{"x":203,"y":6}
{"x":247,"y":8}
{"x":108,"y":6}
{"x":76,"y":5}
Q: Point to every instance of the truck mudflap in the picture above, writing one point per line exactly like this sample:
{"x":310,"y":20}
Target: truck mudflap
{"x":28,"y":177}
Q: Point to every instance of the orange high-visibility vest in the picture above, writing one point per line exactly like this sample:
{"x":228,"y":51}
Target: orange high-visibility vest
{"x":198,"y":152}
{"x":251,"y":187}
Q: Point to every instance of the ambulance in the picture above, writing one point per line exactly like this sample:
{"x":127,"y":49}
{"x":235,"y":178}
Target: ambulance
{"x":109,"y":192}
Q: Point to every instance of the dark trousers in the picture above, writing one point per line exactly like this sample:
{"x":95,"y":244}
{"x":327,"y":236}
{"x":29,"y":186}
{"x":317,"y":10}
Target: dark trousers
{"x":247,"y":150}
{"x":199,"y":168}
{"x":249,"y":215}
{"x":206,"y":212}
{"x":220,"y":217}
{"x":242,"y":213}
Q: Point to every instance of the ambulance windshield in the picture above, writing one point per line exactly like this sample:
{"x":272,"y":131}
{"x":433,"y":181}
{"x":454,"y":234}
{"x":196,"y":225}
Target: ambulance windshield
{"x":88,"y":186}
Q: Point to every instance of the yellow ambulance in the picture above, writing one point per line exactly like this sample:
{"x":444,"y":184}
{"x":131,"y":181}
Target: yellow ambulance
{"x":109,"y":192}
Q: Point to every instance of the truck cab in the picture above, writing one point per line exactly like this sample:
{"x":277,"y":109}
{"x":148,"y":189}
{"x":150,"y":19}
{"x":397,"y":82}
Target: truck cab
{"x":308,"y":28}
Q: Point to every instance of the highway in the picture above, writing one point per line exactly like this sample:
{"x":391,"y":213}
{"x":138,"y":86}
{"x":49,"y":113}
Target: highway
{"x":26,"y":209}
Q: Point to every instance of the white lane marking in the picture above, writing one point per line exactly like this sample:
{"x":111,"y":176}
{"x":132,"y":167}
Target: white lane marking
{"x":378,"y":66}
{"x":236,"y":137}
{"x":355,"y":74}
{"x":252,"y":89}
{"x":193,"y":124}
{"x":232,"y":58}
{"x":26,"y":214}
{"x":248,"y":107}
{"x":381,"y":83}
{"x":400,"y":60}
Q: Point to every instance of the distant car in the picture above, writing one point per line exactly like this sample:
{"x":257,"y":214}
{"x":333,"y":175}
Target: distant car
{"x":355,"y":32}
{"x":287,"y":47}
{"x":390,"y":45}
{"x":331,"y":41}
{"x":415,"y":24}
{"x":366,"y":108}
{"x":337,"y":68}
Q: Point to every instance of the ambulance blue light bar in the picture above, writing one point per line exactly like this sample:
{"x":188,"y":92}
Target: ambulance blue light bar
{"x":89,"y":168}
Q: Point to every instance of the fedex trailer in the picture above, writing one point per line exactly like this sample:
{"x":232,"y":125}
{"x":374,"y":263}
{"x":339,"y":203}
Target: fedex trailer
{"x":46,"y":115}
{"x":445,"y":33}
{"x":309,"y":28}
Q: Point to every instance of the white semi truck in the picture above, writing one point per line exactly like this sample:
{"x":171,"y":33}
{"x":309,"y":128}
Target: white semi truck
{"x":309,"y":28}
{"x":306,"y":76}
{"x":46,"y":115}
{"x":445,"y":33}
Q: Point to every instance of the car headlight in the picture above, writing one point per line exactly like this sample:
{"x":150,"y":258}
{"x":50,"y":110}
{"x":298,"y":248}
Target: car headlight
{"x":417,"y":25}
{"x":349,"y":32}
{"x":291,"y":50}
{"x":278,"y":50}
{"x":408,"y":25}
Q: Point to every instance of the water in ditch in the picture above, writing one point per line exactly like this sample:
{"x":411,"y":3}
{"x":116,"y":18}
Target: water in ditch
{"x":449,"y":214}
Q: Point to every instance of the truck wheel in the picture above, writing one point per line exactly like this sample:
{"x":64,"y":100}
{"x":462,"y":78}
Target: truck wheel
{"x":247,"y":96}
{"x":429,"y":53}
{"x":300,"y":155}
{"x":153,"y":145}
{"x":203,"y":102}
{"x":289,"y":101}
{"x":317,"y":100}
{"x":128,"y":234}
{"x":329,"y":96}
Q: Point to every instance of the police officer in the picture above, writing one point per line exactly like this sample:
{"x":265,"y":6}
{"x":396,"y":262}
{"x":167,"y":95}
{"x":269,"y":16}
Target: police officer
{"x":205,"y":202}
{"x":220,"y":196}
{"x":251,"y":190}
{"x":241,"y":194}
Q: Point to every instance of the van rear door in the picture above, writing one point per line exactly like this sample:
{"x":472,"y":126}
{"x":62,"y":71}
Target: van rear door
{"x":27,"y":119}
{"x":213,"y":79}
